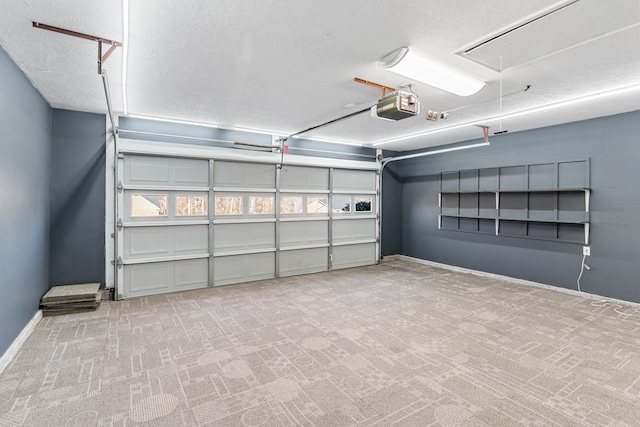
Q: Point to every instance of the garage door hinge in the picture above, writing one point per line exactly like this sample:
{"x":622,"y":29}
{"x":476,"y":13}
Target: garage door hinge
{"x":119,"y":224}
{"x":120,"y":187}
{"x":118,"y":262}
{"x":378,"y":240}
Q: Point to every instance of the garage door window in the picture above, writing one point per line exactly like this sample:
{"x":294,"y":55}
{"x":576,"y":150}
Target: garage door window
{"x":144,"y":205}
{"x":260,"y":205}
{"x":341,"y":204}
{"x":362,"y":204}
{"x":291,"y":205}
{"x":317,"y":205}
{"x":191,"y":205}
{"x":228,"y":205}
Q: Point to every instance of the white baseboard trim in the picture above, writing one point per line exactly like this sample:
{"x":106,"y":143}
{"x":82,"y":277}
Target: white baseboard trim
{"x":16,"y":345}
{"x":509,"y":279}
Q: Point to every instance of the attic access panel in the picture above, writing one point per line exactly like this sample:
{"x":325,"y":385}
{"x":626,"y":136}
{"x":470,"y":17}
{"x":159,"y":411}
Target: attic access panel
{"x":571,"y":24}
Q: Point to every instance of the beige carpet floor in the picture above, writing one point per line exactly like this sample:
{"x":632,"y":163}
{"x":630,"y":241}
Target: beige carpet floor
{"x":395,"y":344}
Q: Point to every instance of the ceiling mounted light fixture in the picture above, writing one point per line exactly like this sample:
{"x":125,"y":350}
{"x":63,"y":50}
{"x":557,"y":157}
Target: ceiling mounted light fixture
{"x":407,"y":64}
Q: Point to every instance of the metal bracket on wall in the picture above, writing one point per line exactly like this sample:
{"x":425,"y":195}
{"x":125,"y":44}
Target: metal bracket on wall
{"x":101,"y":57}
{"x":485,"y":132}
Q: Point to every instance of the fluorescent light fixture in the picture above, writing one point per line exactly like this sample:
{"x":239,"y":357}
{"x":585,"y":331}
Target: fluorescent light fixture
{"x":407,"y":64}
{"x":565,"y":103}
{"x":125,"y":54}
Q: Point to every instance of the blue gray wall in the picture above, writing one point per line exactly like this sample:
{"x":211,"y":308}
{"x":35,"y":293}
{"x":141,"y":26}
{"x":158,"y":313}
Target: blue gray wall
{"x":613,"y":145}
{"x":77,"y":246}
{"x":391,"y":239}
{"x":25,"y":165}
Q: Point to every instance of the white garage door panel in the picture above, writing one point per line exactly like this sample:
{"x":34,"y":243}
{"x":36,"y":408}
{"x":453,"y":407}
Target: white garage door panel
{"x":244,"y":236}
{"x":146,"y":279}
{"x":244,"y":175}
{"x":164,"y":277}
{"x":140,"y":170}
{"x":149,"y":242}
{"x":353,"y":255}
{"x":192,"y":274}
{"x":354,"y":229}
{"x":303,"y":261}
{"x":145,"y":242}
{"x":191,"y":239}
{"x":191,"y":172}
{"x":304,"y":233}
{"x":243,"y":268}
{"x":145,"y":170}
{"x":354,"y":180}
{"x":296,"y":177}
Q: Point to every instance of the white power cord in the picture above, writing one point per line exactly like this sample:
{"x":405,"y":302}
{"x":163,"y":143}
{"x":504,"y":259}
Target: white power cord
{"x":582,"y":268}
{"x":604,"y":302}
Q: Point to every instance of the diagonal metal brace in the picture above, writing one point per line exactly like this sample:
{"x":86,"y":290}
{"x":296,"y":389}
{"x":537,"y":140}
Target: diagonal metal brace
{"x":101,"y":58}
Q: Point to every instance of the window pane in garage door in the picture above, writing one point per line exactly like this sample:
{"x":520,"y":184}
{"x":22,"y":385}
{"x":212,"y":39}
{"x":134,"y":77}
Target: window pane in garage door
{"x":228,"y":205}
{"x":148,"y":205}
{"x":191,"y":205}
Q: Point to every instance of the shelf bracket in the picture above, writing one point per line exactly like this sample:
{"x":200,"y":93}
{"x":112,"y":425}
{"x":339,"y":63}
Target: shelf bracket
{"x":485,"y":132}
{"x":586,"y":233}
{"x":587,"y":196}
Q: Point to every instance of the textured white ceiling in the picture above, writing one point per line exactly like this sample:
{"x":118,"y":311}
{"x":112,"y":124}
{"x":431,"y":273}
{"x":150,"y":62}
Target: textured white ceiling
{"x":284,"y":66}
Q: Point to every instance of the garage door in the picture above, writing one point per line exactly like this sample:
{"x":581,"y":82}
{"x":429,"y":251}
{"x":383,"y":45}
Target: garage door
{"x":244,"y":225}
{"x":193,"y":223}
{"x":164,"y":224}
{"x":354,"y":219}
{"x":304,"y":214}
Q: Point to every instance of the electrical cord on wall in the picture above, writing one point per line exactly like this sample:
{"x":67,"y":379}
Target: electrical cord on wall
{"x":582,"y":268}
{"x":618,"y":308}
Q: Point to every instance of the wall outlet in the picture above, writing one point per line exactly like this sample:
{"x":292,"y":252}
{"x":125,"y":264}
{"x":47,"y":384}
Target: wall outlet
{"x":586,"y":250}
